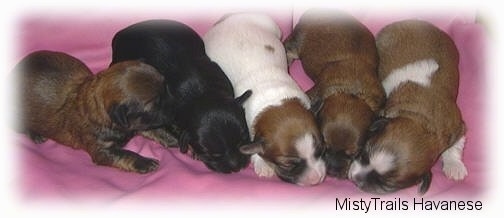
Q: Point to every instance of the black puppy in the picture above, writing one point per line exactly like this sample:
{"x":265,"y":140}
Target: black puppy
{"x":209,"y":121}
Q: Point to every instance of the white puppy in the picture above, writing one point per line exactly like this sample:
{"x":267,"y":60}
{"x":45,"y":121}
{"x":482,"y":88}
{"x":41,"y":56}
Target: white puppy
{"x":248,"y":48}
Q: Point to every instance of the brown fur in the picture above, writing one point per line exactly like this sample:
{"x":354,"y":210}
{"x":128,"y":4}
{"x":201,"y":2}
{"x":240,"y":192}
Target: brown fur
{"x":422,"y":122}
{"x":63,"y":101}
{"x":339,"y":54}
{"x":280,"y":126}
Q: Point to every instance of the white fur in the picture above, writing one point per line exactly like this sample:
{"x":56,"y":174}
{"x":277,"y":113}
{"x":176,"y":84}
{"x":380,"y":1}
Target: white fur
{"x":261,"y":168}
{"x":453,"y":167}
{"x":238,"y":44}
{"x":356,"y":168}
{"x":315,"y":170}
{"x":419,"y":72}
{"x":380,"y":161}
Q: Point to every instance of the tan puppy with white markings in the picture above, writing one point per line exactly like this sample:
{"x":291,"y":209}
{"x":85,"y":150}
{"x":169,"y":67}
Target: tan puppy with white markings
{"x":339,"y":54}
{"x":421,"y":121}
{"x":248,"y":49}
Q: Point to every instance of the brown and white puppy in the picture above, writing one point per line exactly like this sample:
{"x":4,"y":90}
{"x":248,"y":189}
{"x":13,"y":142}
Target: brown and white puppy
{"x":63,"y":101}
{"x":339,"y":54}
{"x":421,"y":121}
{"x":248,"y":48}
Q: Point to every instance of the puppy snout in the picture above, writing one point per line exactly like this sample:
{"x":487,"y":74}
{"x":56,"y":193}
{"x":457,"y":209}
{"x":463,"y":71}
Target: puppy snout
{"x":238,"y":163}
{"x":312,"y":177}
{"x":227,"y":164}
{"x":337,"y":164}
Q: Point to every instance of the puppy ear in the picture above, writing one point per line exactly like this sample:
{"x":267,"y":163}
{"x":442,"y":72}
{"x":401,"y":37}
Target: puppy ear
{"x":118,"y":113}
{"x":242,"y":98}
{"x":316,"y":101}
{"x":425,"y":183}
{"x":316,"y":105}
{"x":378,"y":125}
{"x":255,"y":147}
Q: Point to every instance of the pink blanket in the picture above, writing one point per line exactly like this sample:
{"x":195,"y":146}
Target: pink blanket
{"x":53,"y":171}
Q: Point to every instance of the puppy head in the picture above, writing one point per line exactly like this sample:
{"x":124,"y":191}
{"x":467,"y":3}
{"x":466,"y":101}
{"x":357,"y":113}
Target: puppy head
{"x":135,"y":96}
{"x":344,"y":121}
{"x":399,"y":154}
{"x":215,"y":133}
{"x":288,"y":139}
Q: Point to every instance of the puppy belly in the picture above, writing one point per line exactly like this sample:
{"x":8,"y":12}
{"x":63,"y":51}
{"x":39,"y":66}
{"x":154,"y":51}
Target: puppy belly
{"x":261,"y":168}
{"x":453,"y":167}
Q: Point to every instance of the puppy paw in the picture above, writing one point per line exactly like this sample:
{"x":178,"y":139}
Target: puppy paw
{"x":261,"y":168}
{"x":124,"y":159}
{"x":455,"y":170}
{"x":37,"y":139}
{"x":145,"y":165}
{"x":453,"y":167}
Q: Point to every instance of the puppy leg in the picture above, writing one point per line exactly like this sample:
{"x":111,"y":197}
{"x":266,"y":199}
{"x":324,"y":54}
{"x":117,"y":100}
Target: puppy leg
{"x":162,"y":136}
{"x":453,"y":167}
{"x":261,"y":168}
{"x":124,"y":159}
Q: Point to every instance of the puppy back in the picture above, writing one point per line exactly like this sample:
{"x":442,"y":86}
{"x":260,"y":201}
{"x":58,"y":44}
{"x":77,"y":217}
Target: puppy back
{"x":326,"y":36}
{"x":410,"y":41}
{"x":249,"y":50}
{"x":157,"y":42}
{"x":48,"y":78}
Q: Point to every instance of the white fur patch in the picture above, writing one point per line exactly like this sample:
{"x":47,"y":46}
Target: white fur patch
{"x":453,"y":167}
{"x":315,"y":168}
{"x":261,"y":168}
{"x":419,"y":72}
{"x":380,"y":161}
{"x":356,"y":168}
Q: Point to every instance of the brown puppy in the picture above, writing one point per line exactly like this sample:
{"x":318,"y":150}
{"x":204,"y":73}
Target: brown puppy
{"x":339,"y":54}
{"x":421,"y":120}
{"x":63,"y":101}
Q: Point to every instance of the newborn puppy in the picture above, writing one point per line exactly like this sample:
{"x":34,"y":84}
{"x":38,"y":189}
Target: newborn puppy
{"x":421,"y":121}
{"x":339,"y":54}
{"x":249,"y":50}
{"x":209,"y":121}
{"x":63,"y":101}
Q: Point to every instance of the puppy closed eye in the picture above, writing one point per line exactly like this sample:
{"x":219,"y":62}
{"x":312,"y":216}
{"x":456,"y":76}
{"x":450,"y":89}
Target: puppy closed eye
{"x":288,"y":163}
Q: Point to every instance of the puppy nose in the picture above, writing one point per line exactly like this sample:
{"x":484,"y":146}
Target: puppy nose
{"x":313,"y":177}
{"x":238,"y":163}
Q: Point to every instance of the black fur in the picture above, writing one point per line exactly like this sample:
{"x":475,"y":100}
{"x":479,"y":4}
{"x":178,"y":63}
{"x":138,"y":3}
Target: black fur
{"x":210,"y":121}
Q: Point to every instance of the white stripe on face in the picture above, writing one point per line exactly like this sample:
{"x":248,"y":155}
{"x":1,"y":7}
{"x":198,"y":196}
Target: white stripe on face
{"x":380,"y":161}
{"x":315,"y":168}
